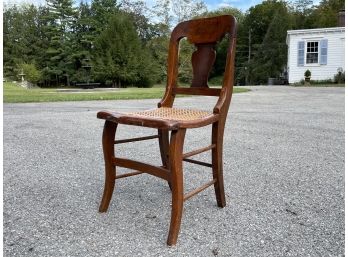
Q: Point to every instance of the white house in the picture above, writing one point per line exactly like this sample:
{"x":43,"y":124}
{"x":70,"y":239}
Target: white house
{"x":319,"y":50}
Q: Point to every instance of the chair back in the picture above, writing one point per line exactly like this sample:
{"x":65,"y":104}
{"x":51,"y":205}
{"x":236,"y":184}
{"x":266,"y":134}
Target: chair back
{"x":204,"y":34}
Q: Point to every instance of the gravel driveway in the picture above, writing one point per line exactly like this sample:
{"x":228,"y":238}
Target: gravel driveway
{"x":284,"y":181}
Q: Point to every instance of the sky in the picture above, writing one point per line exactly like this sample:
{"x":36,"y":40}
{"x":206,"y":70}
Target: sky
{"x":211,"y":4}
{"x":240,"y":4}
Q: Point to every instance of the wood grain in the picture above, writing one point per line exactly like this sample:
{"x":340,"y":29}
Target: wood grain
{"x":204,"y":34}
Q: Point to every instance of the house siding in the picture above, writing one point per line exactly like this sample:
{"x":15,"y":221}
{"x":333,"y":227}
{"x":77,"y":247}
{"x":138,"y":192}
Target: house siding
{"x":335,"y":53}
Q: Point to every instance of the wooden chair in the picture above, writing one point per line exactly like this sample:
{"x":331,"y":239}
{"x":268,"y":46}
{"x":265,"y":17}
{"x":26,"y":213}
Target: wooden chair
{"x":204,"y":34}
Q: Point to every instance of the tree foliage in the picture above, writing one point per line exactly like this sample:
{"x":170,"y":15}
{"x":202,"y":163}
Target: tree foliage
{"x":22,"y":37}
{"x":119,"y":56}
{"x":59,"y":35}
{"x":271,"y":56}
{"x":325,"y":14}
{"x":221,"y":48}
{"x":126,"y":43}
{"x":31,"y":72}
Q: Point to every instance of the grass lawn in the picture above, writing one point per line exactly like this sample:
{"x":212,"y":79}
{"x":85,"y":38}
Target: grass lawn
{"x":318,"y":85}
{"x":16,"y":94}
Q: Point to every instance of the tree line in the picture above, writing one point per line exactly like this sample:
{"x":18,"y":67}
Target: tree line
{"x":125,"y":43}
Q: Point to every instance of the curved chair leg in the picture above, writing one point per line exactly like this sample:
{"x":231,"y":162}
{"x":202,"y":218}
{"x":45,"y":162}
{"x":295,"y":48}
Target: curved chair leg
{"x":163,"y":139}
{"x":110,"y":169}
{"x":217,"y":139}
{"x":175,"y":164}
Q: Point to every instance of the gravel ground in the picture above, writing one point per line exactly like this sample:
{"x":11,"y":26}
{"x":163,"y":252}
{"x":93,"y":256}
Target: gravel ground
{"x":284,"y":181}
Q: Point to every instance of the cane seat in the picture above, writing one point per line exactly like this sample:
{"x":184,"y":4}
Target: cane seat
{"x":164,"y":117}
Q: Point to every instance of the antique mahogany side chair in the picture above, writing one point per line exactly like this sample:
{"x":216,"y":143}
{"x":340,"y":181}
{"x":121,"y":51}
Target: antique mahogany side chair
{"x":204,"y":34}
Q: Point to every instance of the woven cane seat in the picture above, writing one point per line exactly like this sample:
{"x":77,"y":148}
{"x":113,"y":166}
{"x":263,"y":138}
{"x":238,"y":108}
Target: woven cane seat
{"x":173,"y":114}
{"x":164,"y":117}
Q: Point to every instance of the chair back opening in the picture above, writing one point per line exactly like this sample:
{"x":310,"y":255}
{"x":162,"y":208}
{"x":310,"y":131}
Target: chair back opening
{"x":204,"y":34}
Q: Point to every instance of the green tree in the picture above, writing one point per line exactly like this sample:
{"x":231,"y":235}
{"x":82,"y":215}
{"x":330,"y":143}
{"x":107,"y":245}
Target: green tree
{"x":12,"y":41}
{"x":261,"y":22}
{"x":119,"y":56}
{"x":182,"y":10}
{"x":221,"y":47}
{"x":32,"y":74}
{"x":101,"y":11}
{"x":59,"y":35}
{"x":303,"y":5}
{"x":270,"y":59}
{"x":259,"y":17}
{"x":22,"y":37}
{"x":305,"y":15}
{"x":158,"y":47}
{"x":159,"y":43}
{"x":325,"y":14}
{"x":162,"y":11}
{"x":139,"y":13}
{"x":187,"y":9}
{"x":82,"y":43}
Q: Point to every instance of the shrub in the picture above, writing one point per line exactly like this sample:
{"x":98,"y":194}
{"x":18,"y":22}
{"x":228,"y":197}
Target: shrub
{"x":32,"y":74}
{"x":322,"y":82}
{"x":216,"y":81}
{"x":307,"y":73}
{"x":339,"y":76}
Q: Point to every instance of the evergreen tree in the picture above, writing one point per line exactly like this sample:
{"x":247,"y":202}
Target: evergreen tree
{"x":138,"y":11}
{"x":59,"y":35}
{"x":83,"y":42}
{"x":259,"y":22}
{"x":119,"y":56}
{"x":11,"y":47}
{"x":22,"y":42}
{"x":101,"y":11}
{"x":270,"y":59}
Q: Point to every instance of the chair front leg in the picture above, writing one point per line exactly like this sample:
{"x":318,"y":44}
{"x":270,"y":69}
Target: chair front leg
{"x":110,"y":169}
{"x":176,"y":181}
{"x":217,"y":139}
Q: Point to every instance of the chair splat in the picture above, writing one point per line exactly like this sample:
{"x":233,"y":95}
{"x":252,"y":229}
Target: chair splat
{"x":202,"y":63}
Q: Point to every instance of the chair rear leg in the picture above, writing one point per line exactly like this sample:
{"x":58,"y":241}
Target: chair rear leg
{"x":110,"y":169}
{"x":163,"y":139}
{"x":176,"y":178}
{"x":217,"y":139}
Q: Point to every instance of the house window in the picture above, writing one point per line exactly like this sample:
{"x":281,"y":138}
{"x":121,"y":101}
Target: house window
{"x":312,"y":53}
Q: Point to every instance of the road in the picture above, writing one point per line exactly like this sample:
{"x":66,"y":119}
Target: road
{"x":283,"y":170}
